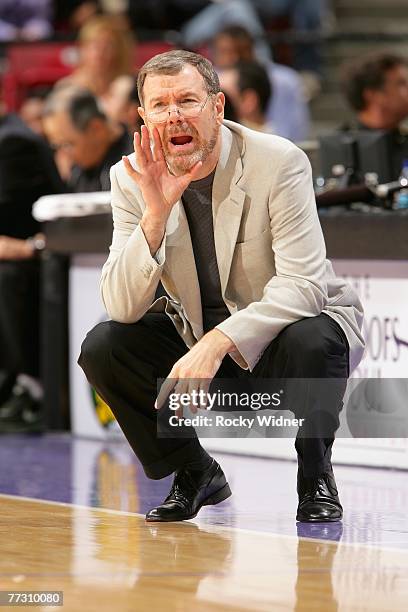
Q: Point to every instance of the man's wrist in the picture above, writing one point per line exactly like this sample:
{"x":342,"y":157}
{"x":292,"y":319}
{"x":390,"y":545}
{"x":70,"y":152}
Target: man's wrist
{"x":220,"y":342}
{"x":153,"y":224}
{"x":154,"y":231}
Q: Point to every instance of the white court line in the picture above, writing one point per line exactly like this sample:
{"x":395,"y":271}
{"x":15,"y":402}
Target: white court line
{"x":208,"y":525}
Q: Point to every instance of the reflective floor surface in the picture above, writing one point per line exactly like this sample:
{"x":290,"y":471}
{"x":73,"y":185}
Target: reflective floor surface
{"x":247,"y":553}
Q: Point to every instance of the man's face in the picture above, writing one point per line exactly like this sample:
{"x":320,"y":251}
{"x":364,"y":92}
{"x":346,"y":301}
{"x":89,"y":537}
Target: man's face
{"x":81,"y":148}
{"x":228,"y":51}
{"x":185,"y":140}
{"x":393,"y":97}
{"x":99,"y":53}
{"x":31,"y":113}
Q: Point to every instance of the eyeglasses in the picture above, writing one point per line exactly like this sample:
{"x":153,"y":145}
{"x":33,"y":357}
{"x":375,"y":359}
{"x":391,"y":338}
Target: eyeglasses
{"x":188,"y":108}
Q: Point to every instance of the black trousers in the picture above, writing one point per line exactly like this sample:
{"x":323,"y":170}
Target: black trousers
{"x":19,"y":316}
{"x":123,"y":362}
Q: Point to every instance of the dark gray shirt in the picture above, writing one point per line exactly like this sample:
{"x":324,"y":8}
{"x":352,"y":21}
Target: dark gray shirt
{"x":197,"y":202}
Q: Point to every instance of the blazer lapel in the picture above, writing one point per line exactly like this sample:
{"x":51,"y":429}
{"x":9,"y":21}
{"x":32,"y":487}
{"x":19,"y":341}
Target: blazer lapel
{"x":228,"y":202}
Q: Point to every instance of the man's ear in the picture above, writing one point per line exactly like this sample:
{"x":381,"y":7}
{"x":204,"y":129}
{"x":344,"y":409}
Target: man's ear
{"x":141,"y":112}
{"x":219,"y":106}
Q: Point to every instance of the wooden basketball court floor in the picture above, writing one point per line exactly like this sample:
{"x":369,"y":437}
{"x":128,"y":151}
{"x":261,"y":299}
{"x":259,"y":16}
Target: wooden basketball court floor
{"x":72,"y":520}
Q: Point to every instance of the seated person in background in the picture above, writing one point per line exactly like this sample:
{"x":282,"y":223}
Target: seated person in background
{"x":376,"y":87}
{"x":122,"y":102}
{"x":105,"y":52}
{"x":31,"y":110}
{"x":287,"y":110}
{"x":76,"y":126}
{"x":304,"y":16}
{"x":221,"y":15}
{"x":249,"y":88}
{"x":310,"y":17}
{"x":27,"y":171}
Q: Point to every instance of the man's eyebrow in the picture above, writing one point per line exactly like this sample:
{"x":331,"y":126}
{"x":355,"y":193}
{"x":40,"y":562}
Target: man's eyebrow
{"x":185,"y":93}
{"x":189,"y":92}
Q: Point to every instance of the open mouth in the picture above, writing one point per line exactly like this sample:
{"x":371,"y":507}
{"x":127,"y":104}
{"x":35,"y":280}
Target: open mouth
{"x":179,"y":141}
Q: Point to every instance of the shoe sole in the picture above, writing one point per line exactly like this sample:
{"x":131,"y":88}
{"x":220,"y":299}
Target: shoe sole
{"x":216,"y":498}
{"x":319,"y":520}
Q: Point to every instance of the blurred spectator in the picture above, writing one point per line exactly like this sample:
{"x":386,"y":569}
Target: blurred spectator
{"x":72,"y":15}
{"x":25,"y":20}
{"x":27,"y":171}
{"x":31,"y":113}
{"x":122,"y":102}
{"x":305,"y":16}
{"x":287,"y":110}
{"x":249,"y":88}
{"x":217,"y":16}
{"x":31,"y":110}
{"x":105,"y":49}
{"x":75,"y":125}
{"x":376,"y":87}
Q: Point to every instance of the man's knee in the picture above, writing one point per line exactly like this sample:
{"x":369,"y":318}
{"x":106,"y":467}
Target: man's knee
{"x":95,"y":350}
{"x":306,"y":340}
{"x":105,"y":339}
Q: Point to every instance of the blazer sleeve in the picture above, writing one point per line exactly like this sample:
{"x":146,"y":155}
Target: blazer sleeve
{"x":130,"y":275}
{"x":299,"y":289}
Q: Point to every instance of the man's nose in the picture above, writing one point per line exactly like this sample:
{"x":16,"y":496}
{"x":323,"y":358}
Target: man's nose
{"x":175,"y":115}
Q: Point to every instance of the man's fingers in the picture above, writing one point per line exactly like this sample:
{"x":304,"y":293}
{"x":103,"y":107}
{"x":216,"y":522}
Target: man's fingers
{"x":195,"y":170}
{"x":158,"y":146}
{"x":164,"y":393}
{"x":197,"y":388}
{"x":191,"y":386}
{"x":140,"y":155}
{"x":180,"y":391}
{"x":186,"y":179}
{"x":205,"y":388}
{"x":146,"y":144}
{"x":130,"y":169}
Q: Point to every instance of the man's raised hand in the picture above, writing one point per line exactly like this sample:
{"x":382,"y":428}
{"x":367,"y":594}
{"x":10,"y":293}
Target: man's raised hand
{"x":160,"y":189}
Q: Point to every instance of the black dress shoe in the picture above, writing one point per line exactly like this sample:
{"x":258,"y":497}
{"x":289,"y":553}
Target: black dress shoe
{"x":189,"y":492}
{"x":318,"y":498}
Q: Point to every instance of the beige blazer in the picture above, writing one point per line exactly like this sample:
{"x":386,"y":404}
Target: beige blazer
{"x":269,"y":244}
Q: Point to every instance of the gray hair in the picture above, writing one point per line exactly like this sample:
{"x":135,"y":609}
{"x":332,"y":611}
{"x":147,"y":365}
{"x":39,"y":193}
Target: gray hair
{"x":80,"y":104}
{"x":172,"y":62}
